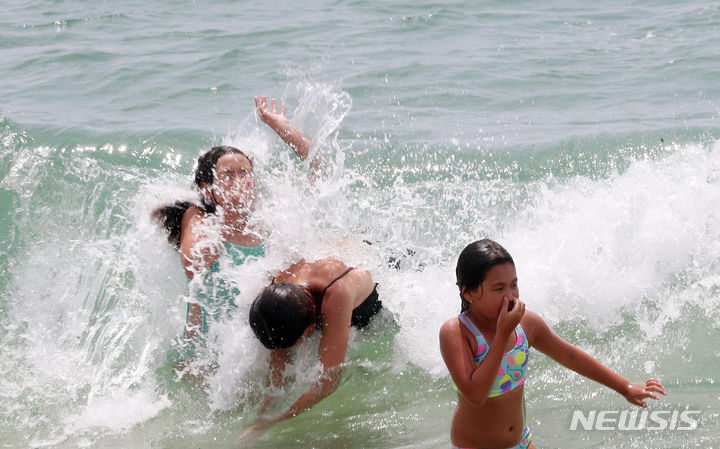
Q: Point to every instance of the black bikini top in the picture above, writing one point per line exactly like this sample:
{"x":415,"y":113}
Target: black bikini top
{"x":318,"y":299}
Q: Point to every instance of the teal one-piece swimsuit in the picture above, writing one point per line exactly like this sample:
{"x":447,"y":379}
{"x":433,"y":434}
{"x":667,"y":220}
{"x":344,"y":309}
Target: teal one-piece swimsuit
{"x":215,"y":293}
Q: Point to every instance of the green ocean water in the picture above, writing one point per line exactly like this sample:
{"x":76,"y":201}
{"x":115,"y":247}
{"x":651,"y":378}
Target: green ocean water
{"x":584,"y":138}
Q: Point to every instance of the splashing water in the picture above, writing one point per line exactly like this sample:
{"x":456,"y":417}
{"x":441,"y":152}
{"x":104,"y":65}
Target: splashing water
{"x":95,"y":298}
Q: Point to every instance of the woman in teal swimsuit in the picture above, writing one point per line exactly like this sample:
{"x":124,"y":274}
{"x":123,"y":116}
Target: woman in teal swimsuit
{"x":487,"y":348}
{"x":216,"y":227}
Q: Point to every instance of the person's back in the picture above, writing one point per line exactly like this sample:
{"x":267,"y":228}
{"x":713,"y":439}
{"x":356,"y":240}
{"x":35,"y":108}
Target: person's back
{"x":327,"y":273}
{"x":326,"y":295}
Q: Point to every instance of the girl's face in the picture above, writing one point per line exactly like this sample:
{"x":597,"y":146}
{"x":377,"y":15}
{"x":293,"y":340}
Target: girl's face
{"x":501,"y":281}
{"x":233,"y":184}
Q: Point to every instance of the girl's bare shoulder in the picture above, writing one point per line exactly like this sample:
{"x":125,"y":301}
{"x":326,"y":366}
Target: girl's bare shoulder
{"x":192,"y":216}
{"x":532,"y":324}
{"x":450,"y":328}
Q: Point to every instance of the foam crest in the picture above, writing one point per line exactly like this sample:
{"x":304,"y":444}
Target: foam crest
{"x":640,"y":245}
{"x":596,"y":249}
{"x":116,"y":411}
{"x":82,"y":298}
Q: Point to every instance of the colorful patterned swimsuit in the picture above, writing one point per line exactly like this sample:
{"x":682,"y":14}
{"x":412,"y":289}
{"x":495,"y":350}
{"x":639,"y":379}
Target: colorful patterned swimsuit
{"x":511,"y":373}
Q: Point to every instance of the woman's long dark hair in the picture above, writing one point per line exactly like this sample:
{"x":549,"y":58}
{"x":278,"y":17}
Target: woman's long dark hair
{"x":170,"y":216}
{"x":281,"y":314}
{"x":474,"y":264}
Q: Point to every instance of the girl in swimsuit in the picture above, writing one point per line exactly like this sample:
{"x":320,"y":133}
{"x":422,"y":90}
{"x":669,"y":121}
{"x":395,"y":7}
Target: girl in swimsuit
{"x":325,"y":295}
{"x":487,"y":348}
{"x":217,"y":225}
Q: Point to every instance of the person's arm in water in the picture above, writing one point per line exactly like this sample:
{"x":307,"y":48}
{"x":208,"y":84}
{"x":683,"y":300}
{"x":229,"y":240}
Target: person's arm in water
{"x":474,"y":382}
{"x":280,"y":124}
{"x":337,"y":312}
{"x":197,"y":256}
{"x":545,"y":340}
{"x":275,"y":378}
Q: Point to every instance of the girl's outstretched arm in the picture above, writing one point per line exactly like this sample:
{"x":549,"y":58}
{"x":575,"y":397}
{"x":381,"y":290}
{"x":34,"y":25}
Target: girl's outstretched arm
{"x":545,"y":340}
{"x":280,"y":124}
{"x":337,"y":312}
{"x":275,"y":379}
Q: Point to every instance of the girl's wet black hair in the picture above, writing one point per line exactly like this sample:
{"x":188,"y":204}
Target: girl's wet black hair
{"x":474,"y":264}
{"x":171,"y":216}
{"x":281,"y":314}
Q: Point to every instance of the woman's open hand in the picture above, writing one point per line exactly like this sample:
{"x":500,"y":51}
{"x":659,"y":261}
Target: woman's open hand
{"x":274,"y":119}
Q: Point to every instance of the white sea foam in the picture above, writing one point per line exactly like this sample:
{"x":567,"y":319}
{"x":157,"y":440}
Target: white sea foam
{"x":640,"y":242}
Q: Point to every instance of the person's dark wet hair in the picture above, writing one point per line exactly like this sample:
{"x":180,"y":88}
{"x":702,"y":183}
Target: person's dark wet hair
{"x":474,"y":264}
{"x":281,"y":314}
{"x":170,"y":216}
